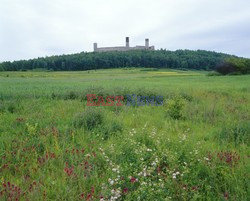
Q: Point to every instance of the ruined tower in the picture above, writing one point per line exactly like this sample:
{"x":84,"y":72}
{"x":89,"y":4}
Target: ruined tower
{"x":147,"y":43}
{"x":95,"y":47}
{"x":127,"y":42}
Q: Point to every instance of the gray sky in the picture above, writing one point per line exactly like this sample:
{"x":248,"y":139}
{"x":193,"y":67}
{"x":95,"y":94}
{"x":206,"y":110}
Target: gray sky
{"x":37,"y":28}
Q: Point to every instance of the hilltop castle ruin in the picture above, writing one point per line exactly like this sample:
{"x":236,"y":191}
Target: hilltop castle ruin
{"x":124,"y":48}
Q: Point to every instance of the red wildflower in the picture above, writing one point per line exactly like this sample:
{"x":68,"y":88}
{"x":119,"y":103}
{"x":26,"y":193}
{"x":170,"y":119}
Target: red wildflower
{"x":231,"y":158}
{"x":89,"y":196}
{"x":133,"y":180}
{"x":82,"y":195}
{"x":69,"y":171}
{"x":159,"y":169}
{"x":194,"y":188}
{"x":226,"y":195}
{"x":125,"y":190}
{"x":93,"y":190}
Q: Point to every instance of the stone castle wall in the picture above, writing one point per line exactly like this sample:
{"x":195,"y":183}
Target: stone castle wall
{"x":124,"y":48}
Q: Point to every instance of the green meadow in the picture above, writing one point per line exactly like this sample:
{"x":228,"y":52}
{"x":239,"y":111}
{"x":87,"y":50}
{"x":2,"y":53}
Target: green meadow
{"x":194,"y":146}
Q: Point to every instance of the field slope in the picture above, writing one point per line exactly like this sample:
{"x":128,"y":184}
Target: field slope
{"x":193,"y":146}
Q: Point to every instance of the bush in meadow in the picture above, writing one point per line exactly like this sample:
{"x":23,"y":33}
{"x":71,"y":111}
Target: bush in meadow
{"x":11,"y":107}
{"x":175,"y":107}
{"x":2,"y":107}
{"x":236,"y":134}
{"x":71,"y":95}
{"x":89,"y":119}
{"x":110,"y":129}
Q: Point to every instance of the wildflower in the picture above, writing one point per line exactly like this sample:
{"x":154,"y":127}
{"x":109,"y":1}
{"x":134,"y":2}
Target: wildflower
{"x":206,"y":159}
{"x":231,"y":158}
{"x":88,"y":155}
{"x":184,"y":137}
{"x":111,"y":181}
{"x":89,"y":196}
{"x":194,"y":188}
{"x":68,"y":170}
{"x":175,"y":174}
{"x":133,"y":179}
{"x":226,"y":195}
{"x":125,"y":190}
{"x":82,"y":195}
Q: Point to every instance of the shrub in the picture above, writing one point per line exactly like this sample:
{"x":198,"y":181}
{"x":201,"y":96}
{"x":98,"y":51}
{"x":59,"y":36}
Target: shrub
{"x":89,"y":119}
{"x":53,"y":95}
{"x":234,"y":66}
{"x":31,"y":129}
{"x":71,"y":95}
{"x":98,"y":91}
{"x":175,"y":107}
{"x":236,"y":133}
{"x":186,"y":96}
{"x":11,"y":108}
{"x":225,"y":68}
{"x":110,"y":129}
{"x":213,"y":74}
{"x":2,"y":108}
{"x":116,"y":127}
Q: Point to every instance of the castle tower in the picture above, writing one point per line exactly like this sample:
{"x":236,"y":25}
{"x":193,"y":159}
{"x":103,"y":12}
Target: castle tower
{"x":95,"y":47}
{"x":147,"y":43}
{"x":127,"y":42}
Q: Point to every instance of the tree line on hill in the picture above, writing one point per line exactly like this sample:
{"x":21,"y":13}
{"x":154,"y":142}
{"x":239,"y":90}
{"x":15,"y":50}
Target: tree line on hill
{"x":234,"y":66}
{"x":180,"y":59}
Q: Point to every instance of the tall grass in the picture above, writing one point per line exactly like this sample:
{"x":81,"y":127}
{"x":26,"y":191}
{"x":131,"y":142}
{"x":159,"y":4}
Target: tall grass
{"x":54,"y":147}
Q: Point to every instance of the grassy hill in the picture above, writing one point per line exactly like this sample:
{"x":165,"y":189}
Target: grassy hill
{"x":180,"y":59}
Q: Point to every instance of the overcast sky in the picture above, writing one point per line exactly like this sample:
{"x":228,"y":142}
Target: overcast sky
{"x":37,"y":28}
